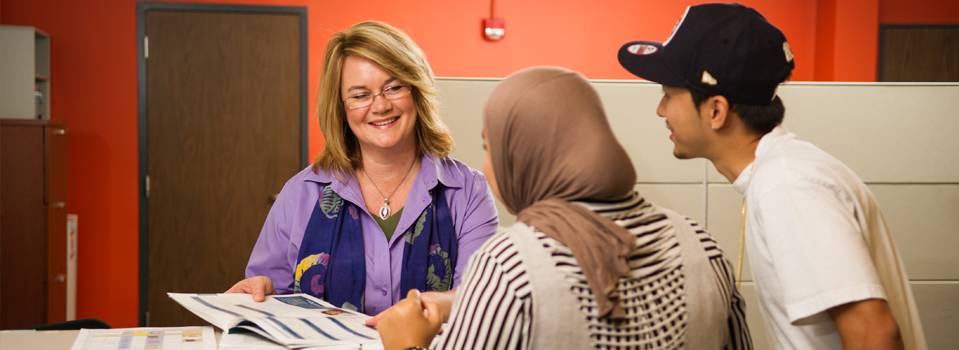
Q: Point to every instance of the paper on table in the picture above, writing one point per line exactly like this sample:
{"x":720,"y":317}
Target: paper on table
{"x":159,"y":338}
{"x":247,"y":341}
{"x":251,"y":341}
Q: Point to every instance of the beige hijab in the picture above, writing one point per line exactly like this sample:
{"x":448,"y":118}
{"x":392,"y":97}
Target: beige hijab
{"x":551,"y":144}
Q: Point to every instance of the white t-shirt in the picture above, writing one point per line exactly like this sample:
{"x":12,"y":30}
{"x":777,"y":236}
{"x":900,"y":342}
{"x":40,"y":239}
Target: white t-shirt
{"x":815,"y":240}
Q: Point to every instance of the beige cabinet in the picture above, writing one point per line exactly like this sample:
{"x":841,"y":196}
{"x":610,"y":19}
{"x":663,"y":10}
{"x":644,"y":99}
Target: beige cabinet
{"x":24,"y":73}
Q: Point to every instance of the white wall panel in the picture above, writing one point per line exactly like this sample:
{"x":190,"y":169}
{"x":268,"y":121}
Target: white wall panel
{"x":681,"y":198}
{"x":884,"y":132}
{"x":461,"y":107}
{"x":899,"y":138}
{"x":924,"y":221}
{"x":631,"y":109}
{"x":922,"y":218}
{"x":938,"y":311}
{"x":724,"y":210}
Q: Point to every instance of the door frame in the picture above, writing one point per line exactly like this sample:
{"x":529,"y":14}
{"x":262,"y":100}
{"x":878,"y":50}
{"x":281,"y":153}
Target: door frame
{"x":142,"y":9}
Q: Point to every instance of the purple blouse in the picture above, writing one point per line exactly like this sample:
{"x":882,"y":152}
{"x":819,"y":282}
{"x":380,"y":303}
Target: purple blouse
{"x":471,"y":207}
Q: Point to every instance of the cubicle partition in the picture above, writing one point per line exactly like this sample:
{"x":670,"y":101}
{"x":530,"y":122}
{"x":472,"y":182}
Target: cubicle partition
{"x":902,"y":140}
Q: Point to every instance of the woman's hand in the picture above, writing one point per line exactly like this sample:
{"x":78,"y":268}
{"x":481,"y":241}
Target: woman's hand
{"x":409,"y":323}
{"x":443,"y":301}
{"x":258,"y":286}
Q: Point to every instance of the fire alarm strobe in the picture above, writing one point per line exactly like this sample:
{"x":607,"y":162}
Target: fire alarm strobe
{"x":494,"y":28}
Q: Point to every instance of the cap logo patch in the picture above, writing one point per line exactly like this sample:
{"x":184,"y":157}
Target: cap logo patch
{"x":787,"y":51}
{"x":642,"y":49}
{"x":708,"y":79}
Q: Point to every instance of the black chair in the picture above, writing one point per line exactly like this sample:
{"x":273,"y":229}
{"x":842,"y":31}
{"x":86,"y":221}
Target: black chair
{"x":89,"y":323}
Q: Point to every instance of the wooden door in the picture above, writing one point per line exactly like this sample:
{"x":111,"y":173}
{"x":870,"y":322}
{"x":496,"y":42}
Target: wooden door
{"x":919,"y":53}
{"x":224,"y":114}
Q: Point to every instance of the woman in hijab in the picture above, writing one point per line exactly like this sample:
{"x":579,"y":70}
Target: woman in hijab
{"x":590,"y":263}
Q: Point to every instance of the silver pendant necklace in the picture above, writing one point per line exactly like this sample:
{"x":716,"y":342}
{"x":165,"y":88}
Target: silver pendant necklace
{"x":385,"y":211}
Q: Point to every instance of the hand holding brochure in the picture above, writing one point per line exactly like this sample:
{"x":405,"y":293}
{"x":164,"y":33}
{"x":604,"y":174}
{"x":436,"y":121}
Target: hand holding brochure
{"x":295,"y":320}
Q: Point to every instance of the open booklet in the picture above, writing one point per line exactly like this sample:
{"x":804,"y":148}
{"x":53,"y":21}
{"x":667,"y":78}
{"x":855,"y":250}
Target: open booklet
{"x":296,"y":320}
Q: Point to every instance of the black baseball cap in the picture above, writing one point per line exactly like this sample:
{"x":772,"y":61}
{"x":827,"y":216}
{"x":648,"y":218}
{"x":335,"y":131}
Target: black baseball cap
{"x":716,"y":49}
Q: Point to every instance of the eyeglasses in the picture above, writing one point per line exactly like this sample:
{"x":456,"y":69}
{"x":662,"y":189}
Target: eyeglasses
{"x":363,"y":99}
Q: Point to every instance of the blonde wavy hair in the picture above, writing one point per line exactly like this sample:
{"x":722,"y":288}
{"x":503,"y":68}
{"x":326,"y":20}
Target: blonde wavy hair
{"x":398,"y":55}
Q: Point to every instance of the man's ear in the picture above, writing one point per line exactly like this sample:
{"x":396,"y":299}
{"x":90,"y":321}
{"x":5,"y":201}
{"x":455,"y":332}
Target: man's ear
{"x":716,"y":111}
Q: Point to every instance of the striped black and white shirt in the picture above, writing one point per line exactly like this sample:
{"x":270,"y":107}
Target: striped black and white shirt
{"x":494,"y":305}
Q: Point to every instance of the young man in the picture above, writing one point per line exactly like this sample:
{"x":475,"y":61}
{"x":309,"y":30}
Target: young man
{"x":827,"y":272}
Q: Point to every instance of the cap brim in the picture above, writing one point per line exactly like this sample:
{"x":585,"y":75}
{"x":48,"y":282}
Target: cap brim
{"x":652,"y":66}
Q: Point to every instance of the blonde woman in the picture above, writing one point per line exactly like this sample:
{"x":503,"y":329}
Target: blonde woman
{"x":385,"y":209}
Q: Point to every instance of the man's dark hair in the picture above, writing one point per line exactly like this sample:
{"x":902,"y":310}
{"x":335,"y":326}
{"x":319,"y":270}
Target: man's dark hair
{"x":761,"y":119}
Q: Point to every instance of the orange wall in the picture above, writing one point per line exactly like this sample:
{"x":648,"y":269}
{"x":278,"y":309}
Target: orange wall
{"x":93,"y":89}
{"x":846,"y":40}
{"x":923,"y":12}
{"x":825,"y":40}
{"x":94,"y":81}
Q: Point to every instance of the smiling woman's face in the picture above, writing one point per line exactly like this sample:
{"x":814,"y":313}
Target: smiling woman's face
{"x":386,"y":124}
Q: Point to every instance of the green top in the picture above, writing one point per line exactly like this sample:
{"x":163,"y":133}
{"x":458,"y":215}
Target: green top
{"x":389,"y":225}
